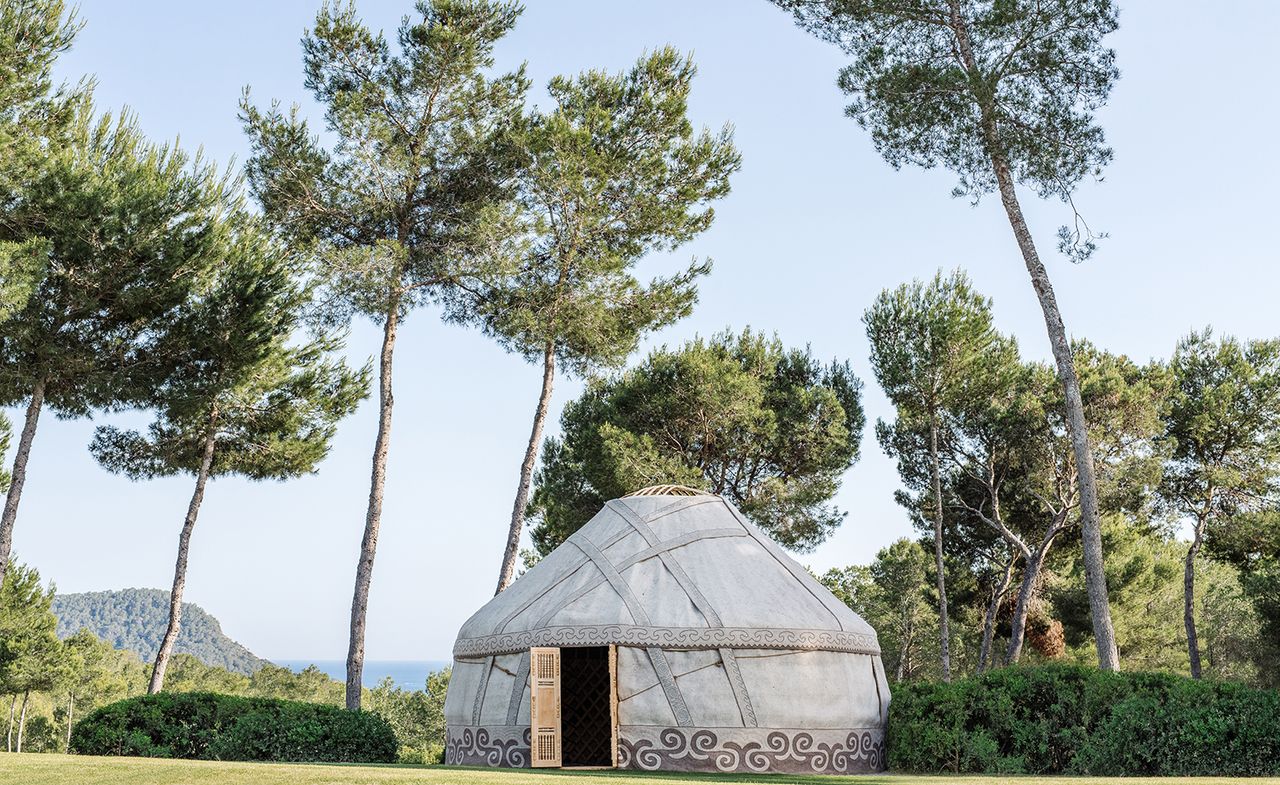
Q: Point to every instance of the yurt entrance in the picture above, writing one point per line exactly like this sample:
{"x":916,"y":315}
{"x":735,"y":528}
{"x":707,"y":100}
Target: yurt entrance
{"x":574,"y":706}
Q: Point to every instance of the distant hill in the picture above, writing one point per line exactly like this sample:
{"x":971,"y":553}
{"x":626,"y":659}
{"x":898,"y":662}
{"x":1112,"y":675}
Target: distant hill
{"x":135,"y":619}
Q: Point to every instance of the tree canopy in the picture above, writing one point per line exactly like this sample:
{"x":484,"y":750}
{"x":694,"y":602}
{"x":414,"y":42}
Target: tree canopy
{"x":769,"y":428}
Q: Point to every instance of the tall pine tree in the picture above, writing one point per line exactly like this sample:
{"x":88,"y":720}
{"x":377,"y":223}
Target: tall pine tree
{"x":1003,"y":94}
{"x":927,"y":340}
{"x":396,"y":211}
{"x":1223,"y":425}
{"x":241,"y":399}
{"x":613,"y":172}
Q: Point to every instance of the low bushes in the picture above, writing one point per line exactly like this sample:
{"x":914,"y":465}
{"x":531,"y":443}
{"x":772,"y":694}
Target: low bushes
{"x":1074,"y":720}
{"x":225,"y":727}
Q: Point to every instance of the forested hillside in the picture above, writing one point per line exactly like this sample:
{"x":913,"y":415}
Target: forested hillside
{"x":135,"y":619}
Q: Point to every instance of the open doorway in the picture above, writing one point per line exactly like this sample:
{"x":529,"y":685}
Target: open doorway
{"x":586,"y":706}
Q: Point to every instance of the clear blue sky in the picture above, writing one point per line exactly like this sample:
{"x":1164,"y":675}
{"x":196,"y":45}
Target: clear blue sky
{"x":816,"y":225}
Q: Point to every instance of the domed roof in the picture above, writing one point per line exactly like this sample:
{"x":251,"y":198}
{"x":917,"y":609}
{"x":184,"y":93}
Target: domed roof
{"x":669,"y":569}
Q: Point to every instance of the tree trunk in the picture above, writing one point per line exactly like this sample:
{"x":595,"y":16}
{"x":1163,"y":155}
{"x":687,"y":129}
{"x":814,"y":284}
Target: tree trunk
{"x":1189,"y":598}
{"x":22,"y":720}
{"x":13,"y":709}
{"x":944,"y":631}
{"x":180,"y":567}
{"x":507,"y":573}
{"x":993,"y":608}
{"x":1030,"y":575}
{"x":71,"y":710}
{"x":373,"y":518}
{"x":19,"y":474}
{"x":1091,"y":529}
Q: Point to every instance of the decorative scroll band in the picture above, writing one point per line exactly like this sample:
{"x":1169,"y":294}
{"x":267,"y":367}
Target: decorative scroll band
{"x":500,"y":745}
{"x":668,"y":638}
{"x":755,"y":750}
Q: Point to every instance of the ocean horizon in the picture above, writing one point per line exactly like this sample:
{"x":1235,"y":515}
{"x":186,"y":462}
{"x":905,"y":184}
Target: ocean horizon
{"x":407,"y":674}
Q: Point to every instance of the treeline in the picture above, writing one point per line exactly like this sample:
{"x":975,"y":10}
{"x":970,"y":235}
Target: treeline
{"x":989,"y":477}
{"x":51,"y":683}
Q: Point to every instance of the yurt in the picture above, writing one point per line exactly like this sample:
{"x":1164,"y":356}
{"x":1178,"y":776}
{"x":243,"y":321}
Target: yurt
{"x":668,"y":633}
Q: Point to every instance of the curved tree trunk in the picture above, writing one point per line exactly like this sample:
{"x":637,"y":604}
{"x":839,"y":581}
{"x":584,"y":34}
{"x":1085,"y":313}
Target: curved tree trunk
{"x":1189,"y":598}
{"x":19,"y":474}
{"x":1091,"y":529}
{"x":180,"y":567}
{"x":1090,"y":518}
{"x":13,"y":712}
{"x":373,"y":518}
{"x":507,"y":573}
{"x":944,"y":631}
{"x":993,"y":608}
{"x":1018,"y":633}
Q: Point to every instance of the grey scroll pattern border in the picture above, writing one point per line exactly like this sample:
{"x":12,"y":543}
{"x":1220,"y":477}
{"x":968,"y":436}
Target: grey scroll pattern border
{"x":669,"y":638}
{"x":752,"y":750}
{"x":503,"y":745}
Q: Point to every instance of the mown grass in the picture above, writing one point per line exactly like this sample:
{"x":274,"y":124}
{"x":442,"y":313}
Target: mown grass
{"x":30,"y":769}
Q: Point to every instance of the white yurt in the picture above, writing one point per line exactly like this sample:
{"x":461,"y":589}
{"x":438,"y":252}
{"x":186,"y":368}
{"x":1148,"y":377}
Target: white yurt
{"x":668,"y":633}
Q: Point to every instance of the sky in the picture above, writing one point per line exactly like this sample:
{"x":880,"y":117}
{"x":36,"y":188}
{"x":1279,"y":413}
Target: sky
{"x":816,"y":225}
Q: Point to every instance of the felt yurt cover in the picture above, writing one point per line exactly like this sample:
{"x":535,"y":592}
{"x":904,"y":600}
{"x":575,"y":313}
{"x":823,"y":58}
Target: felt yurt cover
{"x":668,"y":633}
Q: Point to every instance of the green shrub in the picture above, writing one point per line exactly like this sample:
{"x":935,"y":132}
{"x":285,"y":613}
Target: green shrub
{"x":1063,"y":719}
{"x":210,"y":726}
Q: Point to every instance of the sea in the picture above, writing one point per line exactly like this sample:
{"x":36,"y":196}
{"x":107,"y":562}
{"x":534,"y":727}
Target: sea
{"x":407,"y":674}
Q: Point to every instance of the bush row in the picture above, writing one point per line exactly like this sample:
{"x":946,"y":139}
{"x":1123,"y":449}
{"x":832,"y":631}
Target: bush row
{"x":1076,"y":720}
{"x":210,"y":726}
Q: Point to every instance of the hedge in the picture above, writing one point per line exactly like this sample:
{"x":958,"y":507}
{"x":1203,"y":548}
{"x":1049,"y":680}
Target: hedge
{"x":206,"y":725}
{"x":1077,"y":720}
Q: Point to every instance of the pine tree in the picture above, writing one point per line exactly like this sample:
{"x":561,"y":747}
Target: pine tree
{"x":1003,"y":94}
{"x":613,"y":172}
{"x":397,"y":211}
{"x":1223,"y":425}
{"x":927,"y":341}
{"x":124,"y":229}
{"x":241,"y":398}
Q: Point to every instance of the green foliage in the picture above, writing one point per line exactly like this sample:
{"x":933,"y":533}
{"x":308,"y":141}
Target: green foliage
{"x":269,"y":404}
{"x":32,"y":659}
{"x":769,"y":428}
{"x":417,"y":716}
{"x":134,"y":619}
{"x":1223,"y":426}
{"x":1079,"y":720}
{"x":965,"y":83}
{"x":32,"y":35}
{"x":936,"y":353}
{"x":104,"y":196}
{"x":1144,"y":575}
{"x":398,"y":208}
{"x":891,"y":595}
{"x":224,"y":727}
{"x":612,"y":173}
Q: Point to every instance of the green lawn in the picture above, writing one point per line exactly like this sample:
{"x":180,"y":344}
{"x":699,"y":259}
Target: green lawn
{"x":83,"y":770}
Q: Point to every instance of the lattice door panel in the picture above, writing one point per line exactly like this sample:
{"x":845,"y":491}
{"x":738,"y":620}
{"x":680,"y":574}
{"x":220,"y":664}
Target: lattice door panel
{"x":587,"y":706}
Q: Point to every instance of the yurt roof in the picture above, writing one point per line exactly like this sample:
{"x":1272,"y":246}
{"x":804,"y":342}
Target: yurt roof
{"x":669,"y":567}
